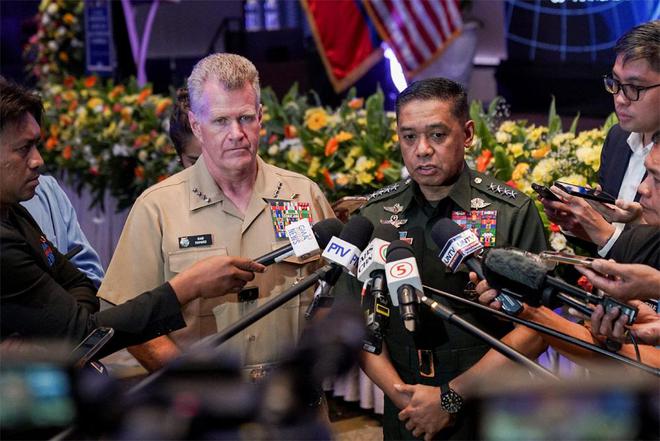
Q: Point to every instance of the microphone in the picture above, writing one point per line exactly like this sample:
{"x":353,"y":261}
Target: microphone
{"x":403,"y":279}
{"x":371,"y":271}
{"x":301,"y":241}
{"x":463,"y":246}
{"x":504,"y":267}
{"x":344,"y":251}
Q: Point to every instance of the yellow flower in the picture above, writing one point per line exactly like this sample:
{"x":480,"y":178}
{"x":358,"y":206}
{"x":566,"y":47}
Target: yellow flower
{"x":362,"y":121}
{"x":348,"y":162}
{"x":395,"y":137}
{"x":575,"y":179}
{"x":364,"y":178}
{"x":364,"y":164}
{"x":355,"y":152}
{"x":516,"y":149}
{"x":560,"y":138}
{"x":95,"y":104}
{"x":343,"y":179}
{"x":541,"y":151}
{"x":343,"y":136}
{"x":316,"y":118}
{"x":265,"y":117}
{"x":520,"y":171}
{"x":542,"y":173}
{"x":536,"y":132}
{"x":502,"y":137}
{"x":508,"y":126}
{"x":314,"y":167}
{"x":589,"y":156}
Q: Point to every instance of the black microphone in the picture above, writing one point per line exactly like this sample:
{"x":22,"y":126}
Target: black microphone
{"x":371,"y":270}
{"x":323,"y":232}
{"x":463,"y":246}
{"x":403,"y":279}
{"x":504,"y":267}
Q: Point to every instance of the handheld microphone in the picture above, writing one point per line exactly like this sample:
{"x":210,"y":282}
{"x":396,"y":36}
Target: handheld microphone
{"x":403,"y":279}
{"x":371,"y":271}
{"x":344,"y":251}
{"x":503,"y":267}
{"x":300,"y":240}
{"x":463,"y":246}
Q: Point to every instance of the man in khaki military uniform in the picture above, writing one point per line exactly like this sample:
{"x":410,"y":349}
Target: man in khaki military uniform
{"x":218,"y":207}
{"x":414,"y":370}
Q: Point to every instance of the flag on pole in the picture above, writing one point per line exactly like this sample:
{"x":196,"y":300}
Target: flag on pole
{"x":417,"y":30}
{"x":347,"y":43}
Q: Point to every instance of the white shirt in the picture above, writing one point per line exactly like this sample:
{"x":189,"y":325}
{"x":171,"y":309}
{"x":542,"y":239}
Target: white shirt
{"x":631,"y":180}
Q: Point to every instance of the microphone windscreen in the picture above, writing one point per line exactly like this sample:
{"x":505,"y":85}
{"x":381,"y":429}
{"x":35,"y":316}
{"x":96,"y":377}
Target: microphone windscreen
{"x":398,"y":250}
{"x":386,"y":232}
{"x":325,"y":229}
{"x":519,"y":273}
{"x":357,"y":231}
{"x":443,"y":230}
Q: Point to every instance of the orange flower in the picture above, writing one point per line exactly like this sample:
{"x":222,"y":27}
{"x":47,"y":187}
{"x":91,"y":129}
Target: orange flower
{"x":65,"y":120}
{"x":356,"y":103}
{"x":554,"y":228}
{"x":161,"y":178}
{"x":73,"y":105}
{"x":64,"y":57}
{"x":90,"y":81}
{"x":116,"y":107}
{"x":51,"y":143}
{"x":290,"y":131}
{"x":116,"y":91}
{"x":69,"y":81}
{"x":139,"y":172}
{"x":511,"y":183}
{"x":162,"y":106}
{"x":328,"y":179}
{"x":380,"y":175}
{"x":141,"y":141}
{"x":541,"y":152}
{"x":67,"y":152}
{"x":483,"y":160}
{"x":331,"y":146}
{"x":68,"y":18}
{"x":143,"y":96}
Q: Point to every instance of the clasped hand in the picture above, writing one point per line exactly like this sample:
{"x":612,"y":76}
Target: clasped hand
{"x":423,"y":415}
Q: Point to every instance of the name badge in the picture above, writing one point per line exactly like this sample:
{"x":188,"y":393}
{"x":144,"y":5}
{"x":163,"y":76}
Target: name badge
{"x":201,"y":240}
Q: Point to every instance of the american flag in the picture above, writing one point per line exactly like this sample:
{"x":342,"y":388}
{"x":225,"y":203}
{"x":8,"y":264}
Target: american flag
{"x":416,"y":30}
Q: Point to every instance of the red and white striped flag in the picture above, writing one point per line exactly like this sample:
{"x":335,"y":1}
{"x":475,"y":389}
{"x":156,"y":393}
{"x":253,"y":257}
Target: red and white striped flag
{"x":416,"y":30}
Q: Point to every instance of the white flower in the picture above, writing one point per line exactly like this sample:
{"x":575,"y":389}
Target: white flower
{"x":290,"y":143}
{"x":120,"y":150}
{"x":502,"y":137}
{"x":45,"y":19}
{"x":273,"y":149}
{"x":143,"y":155}
{"x":52,"y":8}
{"x":557,"y":241}
{"x":60,"y":31}
{"x":52,"y":45}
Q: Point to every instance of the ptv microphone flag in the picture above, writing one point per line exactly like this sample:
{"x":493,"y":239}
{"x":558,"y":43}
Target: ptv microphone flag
{"x":371,"y":259}
{"x":402,"y":272}
{"x":302,"y":238}
{"x":342,"y":253}
{"x":458,"y":248}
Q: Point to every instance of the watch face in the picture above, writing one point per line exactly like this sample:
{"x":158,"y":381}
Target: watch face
{"x":451,"y":402}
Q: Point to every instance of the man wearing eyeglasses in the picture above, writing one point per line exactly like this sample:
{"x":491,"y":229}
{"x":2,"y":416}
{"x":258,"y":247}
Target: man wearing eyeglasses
{"x":635,"y":85}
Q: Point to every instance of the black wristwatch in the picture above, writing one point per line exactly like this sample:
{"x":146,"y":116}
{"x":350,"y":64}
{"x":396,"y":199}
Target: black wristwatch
{"x":450,"y":401}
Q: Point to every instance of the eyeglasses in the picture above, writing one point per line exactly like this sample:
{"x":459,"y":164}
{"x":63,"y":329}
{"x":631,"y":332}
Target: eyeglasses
{"x":630,"y":91}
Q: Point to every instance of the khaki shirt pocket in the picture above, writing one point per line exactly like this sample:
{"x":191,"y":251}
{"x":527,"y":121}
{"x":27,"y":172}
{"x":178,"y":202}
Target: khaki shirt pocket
{"x":180,"y":260}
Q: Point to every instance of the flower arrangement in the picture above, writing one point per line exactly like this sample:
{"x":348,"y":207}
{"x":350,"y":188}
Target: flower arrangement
{"x":347,"y":150}
{"x":107,"y":136}
{"x":56,"y":49}
{"x":521,"y":154}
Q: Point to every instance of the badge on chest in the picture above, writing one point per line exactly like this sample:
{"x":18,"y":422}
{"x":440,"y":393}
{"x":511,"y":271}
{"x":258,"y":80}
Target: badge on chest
{"x":284,"y":212}
{"x":482,"y":222}
{"x":200,"y":240}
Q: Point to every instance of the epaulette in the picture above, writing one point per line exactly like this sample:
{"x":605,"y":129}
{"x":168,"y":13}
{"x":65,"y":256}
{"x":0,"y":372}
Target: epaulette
{"x":390,"y":190}
{"x":498,"y":189}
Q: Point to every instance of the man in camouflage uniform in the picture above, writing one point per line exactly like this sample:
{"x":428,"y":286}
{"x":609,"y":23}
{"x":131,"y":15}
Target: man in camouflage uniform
{"x":434,"y":130}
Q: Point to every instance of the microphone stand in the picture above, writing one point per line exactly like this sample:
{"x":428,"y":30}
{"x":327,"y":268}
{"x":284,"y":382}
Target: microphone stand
{"x":447,"y":314}
{"x":215,"y":340}
{"x":549,"y":331}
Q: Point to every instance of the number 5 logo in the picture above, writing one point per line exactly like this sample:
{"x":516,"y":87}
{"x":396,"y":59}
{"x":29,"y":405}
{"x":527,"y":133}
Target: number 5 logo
{"x":401,"y":270}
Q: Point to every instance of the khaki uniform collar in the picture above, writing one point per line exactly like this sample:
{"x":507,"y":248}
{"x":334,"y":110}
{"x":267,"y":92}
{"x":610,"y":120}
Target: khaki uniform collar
{"x":203,"y":190}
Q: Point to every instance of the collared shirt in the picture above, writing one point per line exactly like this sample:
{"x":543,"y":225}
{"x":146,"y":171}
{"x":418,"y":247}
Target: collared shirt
{"x":187,"y":218}
{"x":631,"y":181}
{"x":53,"y":212}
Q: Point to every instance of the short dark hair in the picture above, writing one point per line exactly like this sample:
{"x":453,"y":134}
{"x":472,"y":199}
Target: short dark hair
{"x":439,"y":89}
{"x":180,"y":130}
{"x":15,"y":102}
{"x":641,"y":42}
